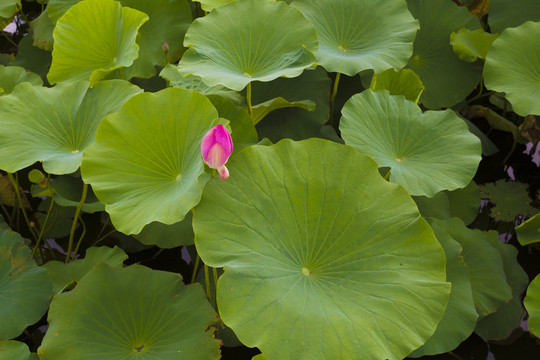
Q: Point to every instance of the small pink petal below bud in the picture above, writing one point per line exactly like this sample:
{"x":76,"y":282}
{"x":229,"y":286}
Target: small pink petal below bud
{"x":216,"y":147}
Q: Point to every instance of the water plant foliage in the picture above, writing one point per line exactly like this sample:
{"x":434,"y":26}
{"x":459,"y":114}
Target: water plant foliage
{"x":311,"y":179}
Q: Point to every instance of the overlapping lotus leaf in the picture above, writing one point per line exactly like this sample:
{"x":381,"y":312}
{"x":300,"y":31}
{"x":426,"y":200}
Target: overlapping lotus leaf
{"x":209,"y":5}
{"x":93,"y":38}
{"x":427,"y":152}
{"x":486,"y":270}
{"x":247,"y":41}
{"x":62,"y":275}
{"x":529,"y":231}
{"x":294,"y":123}
{"x":68,"y":190}
{"x":57,"y":8}
{"x":25,"y":289}
{"x":532,"y":304}
{"x":130,"y":313}
{"x":512,"y":13}
{"x":146,"y":162}
{"x":357,"y":35}
{"x":8,"y":8}
{"x":168,"y":23}
{"x":512,"y":66}
{"x":172,"y":75}
{"x":460,"y":316}
{"x":57,"y":125}
{"x":448,"y":80}
{"x":14,"y":350}
{"x":470,"y":45}
{"x":499,"y":325}
{"x":42,"y":31}
{"x":461,"y":203}
{"x":305,"y":229}
{"x":403,"y":82}
{"x":11,"y":76}
{"x":167,"y":236}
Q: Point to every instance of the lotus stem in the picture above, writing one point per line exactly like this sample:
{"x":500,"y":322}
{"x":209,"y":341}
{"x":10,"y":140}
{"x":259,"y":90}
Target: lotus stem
{"x":80,"y":239}
{"x":214,"y":270}
{"x":20,"y":204}
{"x":43,"y":226}
{"x":333,"y":97}
{"x":248,"y":99}
{"x":195,"y":268}
{"x":207,"y":280}
{"x":75,"y":220}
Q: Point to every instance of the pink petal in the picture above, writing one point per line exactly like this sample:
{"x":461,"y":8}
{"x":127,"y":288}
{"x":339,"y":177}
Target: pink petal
{"x":223,"y":172}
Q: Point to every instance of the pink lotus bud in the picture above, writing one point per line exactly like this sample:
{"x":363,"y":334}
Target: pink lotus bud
{"x":216,"y":147}
{"x":165,"y":47}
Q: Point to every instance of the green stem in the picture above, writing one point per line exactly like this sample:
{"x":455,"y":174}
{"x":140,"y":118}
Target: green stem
{"x":80,"y":239}
{"x":9,"y":39}
{"x":207,"y":280}
{"x":104,"y":237}
{"x":195,"y":268}
{"x":455,"y":355}
{"x":15,"y":184}
{"x":333,"y":97}
{"x":387,"y":175}
{"x":43,"y":226}
{"x":74,"y":223}
{"x":214,"y":270}
{"x":8,"y":217}
{"x":248,"y":99}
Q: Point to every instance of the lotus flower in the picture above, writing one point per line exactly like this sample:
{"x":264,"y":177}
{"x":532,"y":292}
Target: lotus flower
{"x":216,"y":147}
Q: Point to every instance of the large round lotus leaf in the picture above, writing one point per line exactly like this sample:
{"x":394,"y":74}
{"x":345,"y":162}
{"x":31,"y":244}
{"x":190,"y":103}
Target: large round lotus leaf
{"x":448,"y":80}
{"x":168,"y":22}
{"x":486,"y":270}
{"x":14,"y":350}
{"x":427,"y":152}
{"x":11,"y":76}
{"x":320,"y":254}
{"x":532,"y":304}
{"x":146,"y":162}
{"x":93,"y":38}
{"x":512,"y":67}
{"x":460,"y":317}
{"x":57,"y":124}
{"x":62,"y":274}
{"x":499,"y":325}
{"x":130,"y":313}
{"x":249,"y":40}
{"x":529,"y":231}
{"x":357,"y":35}
{"x":25,"y":289}
{"x":511,"y":13}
